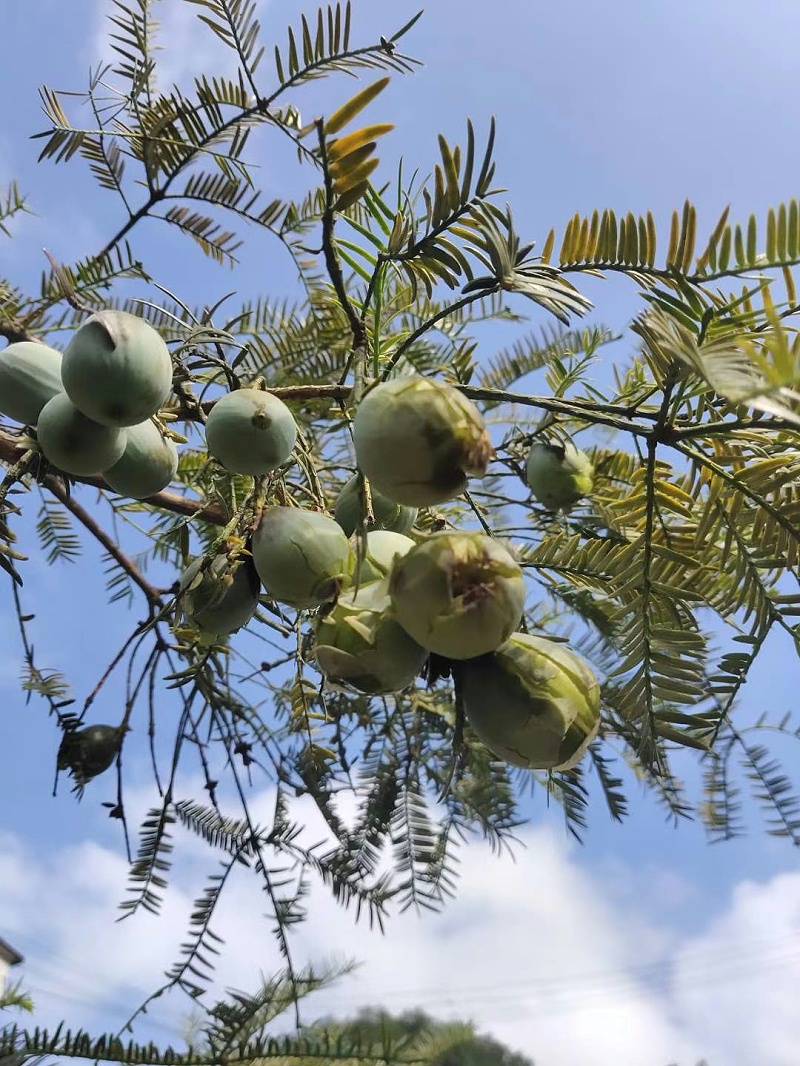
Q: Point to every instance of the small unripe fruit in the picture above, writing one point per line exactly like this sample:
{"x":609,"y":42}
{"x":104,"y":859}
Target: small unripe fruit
{"x":117,"y":370}
{"x":383,"y":548}
{"x":30,"y":375}
{"x":88,"y":752}
{"x":75,"y":444}
{"x":534,"y":702}
{"x":360,"y":644}
{"x":559,"y":474}
{"x":388,"y":514}
{"x":302,"y":557}
{"x":417,"y":439}
{"x":458,"y":594}
{"x":148,"y":463}
{"x":250,"y":432}
{"x":221,"y":598}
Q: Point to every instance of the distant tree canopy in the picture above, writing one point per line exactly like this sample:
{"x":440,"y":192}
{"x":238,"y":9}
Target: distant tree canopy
{"x":461,"y":1044}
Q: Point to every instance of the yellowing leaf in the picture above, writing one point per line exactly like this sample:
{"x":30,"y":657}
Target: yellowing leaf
{"x":348,"y":198}
{"x":351,"y":160}
{"x":345,"y":145}
{"x":355,"y":176}
{"x":347,"y":112}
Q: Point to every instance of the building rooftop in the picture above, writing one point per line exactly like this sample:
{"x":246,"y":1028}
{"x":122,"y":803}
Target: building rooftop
{"x":8,"y":954}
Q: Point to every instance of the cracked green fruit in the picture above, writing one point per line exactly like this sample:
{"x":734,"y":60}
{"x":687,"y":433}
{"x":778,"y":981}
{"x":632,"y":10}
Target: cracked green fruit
{"x":303,"y":557}
{"x":221,"y":598}
{"x":148,"y":464}
{"x":30,"y":375}
{"x":388,"y":514}
{"x":559,"y":474}
{"x":383,"y":547}
{"x":359,"y":643}
{"x":417,"y":440}
{"x":458,"y":594}
{"x":534,"y":702}
{"x":117,"y":370}
{"x":88,"y":752}
{"x":250,"y":431}
{"x":75,"y":444}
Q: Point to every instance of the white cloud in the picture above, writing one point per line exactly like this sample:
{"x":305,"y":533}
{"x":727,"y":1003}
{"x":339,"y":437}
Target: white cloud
{"x":522,"y":952}
{"x":534,"y":950}
{"x":737,"y":982}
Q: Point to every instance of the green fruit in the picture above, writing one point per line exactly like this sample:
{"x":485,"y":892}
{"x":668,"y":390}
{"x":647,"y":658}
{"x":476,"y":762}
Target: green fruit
{"x":250,"y":431}
{"x":417,"y":439}
{"x":559,"y":474}
{"x":359,"y":643}
{"x":88,"y":752}
{"x":74,"y":443}
{"x":383,"y":547}
{"x":388,"y":514}
{"x":221,"y":598}
{"x":303,"y":558}
{"x":534,"y":702}
{"x":458,"y":594}
{"x":117,"y":370}
{"x":30,"y":375}
{"x":148,"y":463}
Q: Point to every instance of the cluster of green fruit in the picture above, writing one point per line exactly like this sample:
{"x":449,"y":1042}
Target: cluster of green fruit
{"x":381,"y":612}
{"x":93,"y":407}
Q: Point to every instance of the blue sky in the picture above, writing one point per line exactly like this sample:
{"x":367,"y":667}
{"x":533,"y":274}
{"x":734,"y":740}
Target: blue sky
{"x":634,"y":105}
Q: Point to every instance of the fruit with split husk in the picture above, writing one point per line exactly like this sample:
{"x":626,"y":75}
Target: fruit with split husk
{"x":417,"y":440}
{"x":458,"y":594}
{"x":534,"y":702}
{"x":360,"y":644}
{"x":559,"y":474}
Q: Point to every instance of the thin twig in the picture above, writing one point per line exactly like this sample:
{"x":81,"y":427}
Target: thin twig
{"x":429,"y":323}
{"x":332,"y":263}
{"x":116,"y":553}
{"x":15,"y":332}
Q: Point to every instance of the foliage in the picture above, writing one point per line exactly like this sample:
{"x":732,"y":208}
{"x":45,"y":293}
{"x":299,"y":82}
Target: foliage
{"x":670,"y":578}
{"x":234,"y":1030}
{"x":13,"y":997}
{"x":449,"y":1043}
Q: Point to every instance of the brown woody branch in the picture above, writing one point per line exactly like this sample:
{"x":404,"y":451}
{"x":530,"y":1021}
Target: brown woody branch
{"x":618,"y":416}
{"x":14,"y":333}
{"x":100,"y":535}
{"x":12,"y":448}
{"x":332,"y":264}
{"x":288,"y":393}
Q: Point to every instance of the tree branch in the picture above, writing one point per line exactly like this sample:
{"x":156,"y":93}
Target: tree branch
{"x":450,"y":309}
{"x":14,"y":333}
{"x":332,"y":263}
{"x":11,"y":449}
{"x":100,"y":535}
